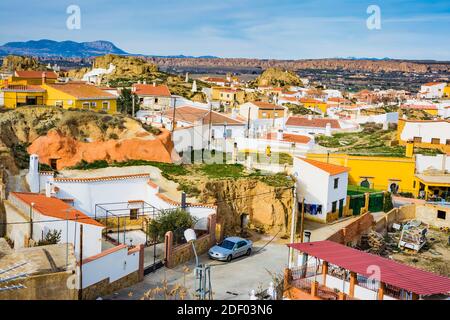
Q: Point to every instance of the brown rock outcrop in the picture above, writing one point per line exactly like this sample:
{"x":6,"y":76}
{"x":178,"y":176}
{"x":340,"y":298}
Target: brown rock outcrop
{"x":269,"y":208}
{"x":69,"y":151}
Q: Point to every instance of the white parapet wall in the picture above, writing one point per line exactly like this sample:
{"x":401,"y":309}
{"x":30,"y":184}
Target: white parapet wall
{"x":112,"y":264}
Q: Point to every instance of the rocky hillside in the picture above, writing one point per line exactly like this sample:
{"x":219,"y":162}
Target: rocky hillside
{"x":269,"y":208}
{"x":19,"y":63}
{"x":24,"y":127}
{"x":126,"y":67}
{"x":321,"y":64}
{"x":278,"y":77}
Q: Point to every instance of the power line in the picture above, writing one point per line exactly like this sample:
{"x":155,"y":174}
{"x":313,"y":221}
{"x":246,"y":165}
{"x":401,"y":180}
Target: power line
{"x":127,"y":215}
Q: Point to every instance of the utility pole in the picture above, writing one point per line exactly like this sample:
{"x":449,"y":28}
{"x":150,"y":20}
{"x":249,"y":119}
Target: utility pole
{"x":80,"y":292}
{"x":173,"y":117}
{"x":132,"y":104}
{"x":248,"y":122}
{"x":302,"y":221}
{"x":293,"y":223}
{"x":31,"y":220}
{"x":210,"y":125}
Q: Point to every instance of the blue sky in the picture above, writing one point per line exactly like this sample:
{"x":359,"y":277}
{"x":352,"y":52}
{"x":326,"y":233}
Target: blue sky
{"x":279,"y":29}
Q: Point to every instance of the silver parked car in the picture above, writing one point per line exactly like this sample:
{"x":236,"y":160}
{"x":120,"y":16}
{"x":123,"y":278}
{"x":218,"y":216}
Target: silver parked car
{"x":230,"y":248}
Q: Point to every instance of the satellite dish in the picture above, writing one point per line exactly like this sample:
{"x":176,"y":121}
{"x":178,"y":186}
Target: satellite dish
{"x":189,"y":235}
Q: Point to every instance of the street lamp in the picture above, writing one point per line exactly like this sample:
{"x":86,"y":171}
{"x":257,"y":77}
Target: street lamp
{"x":202,"y":271}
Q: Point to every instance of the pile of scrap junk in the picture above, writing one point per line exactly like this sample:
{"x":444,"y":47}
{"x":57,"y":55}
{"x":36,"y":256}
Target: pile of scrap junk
{"x":411,"y":235}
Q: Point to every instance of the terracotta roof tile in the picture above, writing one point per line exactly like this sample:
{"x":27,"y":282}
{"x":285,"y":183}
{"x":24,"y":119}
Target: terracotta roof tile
{"x":150,"y":90}
{"x":54,"y":207}
{"x":289,"y":138}
{"x":332,"y":169}
{"x":36,"y":74}
{"x":191,"y":115}
{"x":313,"y":123}
{"x":266,"y":105}
{"x":430,"y":84}
{"x":82,"y":91}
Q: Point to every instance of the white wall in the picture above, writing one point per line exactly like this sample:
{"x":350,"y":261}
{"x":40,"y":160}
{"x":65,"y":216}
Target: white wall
{"x":391,"y":117}
{"x":197,"y":137}
{"x":431,"y":92}
{"x":317,"y":187}
{"x":88,"y":194}
{"x":438,"y":162}
{"x":112,"y":266}
{"x":312,"y":184}
{"x":70,"y":233}
{"x":337,"y":194}
{"x":276,"y":145}
{"x":360,"y":293}
{"x":426,"y":130}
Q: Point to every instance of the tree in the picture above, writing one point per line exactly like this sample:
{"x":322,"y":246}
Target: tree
{"x":173,"y":220}
{"x":52,"y":237}
{"x":125,"y":102}
{"x":388,"y":205}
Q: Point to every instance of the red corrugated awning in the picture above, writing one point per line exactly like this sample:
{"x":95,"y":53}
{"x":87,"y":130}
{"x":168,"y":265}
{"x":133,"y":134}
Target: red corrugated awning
{"x":391,"y":272}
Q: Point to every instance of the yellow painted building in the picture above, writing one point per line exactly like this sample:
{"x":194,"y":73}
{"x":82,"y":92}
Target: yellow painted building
{"x":447,"y":91}
{"x":32,"y":77}
{"x":79,"y":96}
{"x":228,"y":96}
{"x":314,"y":104}
{"x":380,"y":173}
{"x":13,"y":96}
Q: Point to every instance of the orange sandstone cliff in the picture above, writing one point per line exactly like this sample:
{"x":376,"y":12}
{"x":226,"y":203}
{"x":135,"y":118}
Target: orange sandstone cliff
{"x":69,"y":151}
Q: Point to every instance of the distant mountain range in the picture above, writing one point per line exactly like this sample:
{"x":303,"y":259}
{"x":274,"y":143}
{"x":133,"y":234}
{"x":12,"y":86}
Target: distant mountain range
{"x":71,"y":49}
{"x":66,"y":49}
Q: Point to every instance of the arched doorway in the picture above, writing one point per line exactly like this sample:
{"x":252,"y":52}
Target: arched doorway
{"x":365,"y":184}
{"x":393,"y":188}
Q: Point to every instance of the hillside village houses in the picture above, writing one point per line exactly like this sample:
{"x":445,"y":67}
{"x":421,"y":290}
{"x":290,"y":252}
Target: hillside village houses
{"x":84,"y":211}
{"x":432,"y":90}
{"x":152,"y":98}
{"x":42,"y":88}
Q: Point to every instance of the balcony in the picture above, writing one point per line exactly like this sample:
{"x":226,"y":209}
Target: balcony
{"x":327,"y":282}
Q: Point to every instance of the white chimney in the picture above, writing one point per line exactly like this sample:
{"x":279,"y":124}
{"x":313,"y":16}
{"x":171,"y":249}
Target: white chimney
{"x":328,"y":130}
{"x":49,"y":189}
{"x":154,"y":83}
{"x":280,"y":135}
{"x":33,"y":173}
{"x":145,"y":81}
{"x":234,"y":113}
{"x":310,"y":117}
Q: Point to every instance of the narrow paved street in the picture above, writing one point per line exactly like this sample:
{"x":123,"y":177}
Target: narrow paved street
{"x":229,"y":281}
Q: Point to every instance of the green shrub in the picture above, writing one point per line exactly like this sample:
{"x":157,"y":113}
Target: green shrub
{"x":173,"y":220}
{"x":52,"y":237}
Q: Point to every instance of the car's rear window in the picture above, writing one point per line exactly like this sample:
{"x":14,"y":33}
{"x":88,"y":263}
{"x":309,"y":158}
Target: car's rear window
{"x":227,"y":244}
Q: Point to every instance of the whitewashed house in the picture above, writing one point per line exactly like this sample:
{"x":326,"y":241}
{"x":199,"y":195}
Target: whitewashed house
{"x":312,"y":126}
{"x":436,"y":132}
{"x":432,"y":90}
{"x":43,"y":214}
{"x":323,"y":187}
{"x":198,"y":123}
{"x":152,"y":98}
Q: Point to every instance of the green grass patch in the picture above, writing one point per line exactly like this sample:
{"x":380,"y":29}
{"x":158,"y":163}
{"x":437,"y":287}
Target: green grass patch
{"x":356,"y":190}
{"x":220,"y":171}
